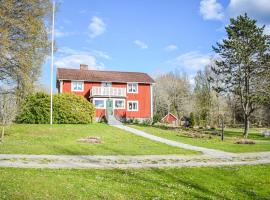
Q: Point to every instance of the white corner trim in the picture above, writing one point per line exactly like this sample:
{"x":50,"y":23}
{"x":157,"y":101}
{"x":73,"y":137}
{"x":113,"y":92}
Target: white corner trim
{"x":151,"y":100}
{"x":132,"y":109}
{"x":61,"y":87}
{"x":77,"y":90}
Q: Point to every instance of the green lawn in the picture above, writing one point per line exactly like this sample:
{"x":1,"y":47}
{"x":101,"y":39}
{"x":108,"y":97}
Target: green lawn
{"x":237,"y":182}
{"x":231,"y":135}
{"x":62,"y":139}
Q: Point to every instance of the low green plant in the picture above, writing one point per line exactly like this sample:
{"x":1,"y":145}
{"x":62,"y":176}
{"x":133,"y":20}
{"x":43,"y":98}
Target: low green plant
{"x":136,"y":121}
{"x":146,"y":122}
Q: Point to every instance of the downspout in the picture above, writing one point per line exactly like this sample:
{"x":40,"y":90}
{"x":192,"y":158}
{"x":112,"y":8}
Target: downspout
{"x":151,"y":101}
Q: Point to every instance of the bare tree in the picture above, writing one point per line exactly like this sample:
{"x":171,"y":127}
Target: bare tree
{"x":172,"y":94}
{"x":8,"y":110}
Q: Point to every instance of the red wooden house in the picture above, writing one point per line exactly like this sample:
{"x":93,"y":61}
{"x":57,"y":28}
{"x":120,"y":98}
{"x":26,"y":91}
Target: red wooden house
{"x":120,"y":95}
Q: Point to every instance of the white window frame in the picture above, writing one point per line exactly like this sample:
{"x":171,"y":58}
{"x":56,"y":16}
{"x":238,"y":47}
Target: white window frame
{"x":119,"y":100}
{"x":103,"y":99}
{"x":72,"y":88}
{"x":103,"y":84}
{"x":132,"y":103}
{"x":132,"y":84}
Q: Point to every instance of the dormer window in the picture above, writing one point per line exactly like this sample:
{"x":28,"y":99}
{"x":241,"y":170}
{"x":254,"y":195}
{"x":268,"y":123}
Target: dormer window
{"x":132,"y":88}
{"x":77,"y":86}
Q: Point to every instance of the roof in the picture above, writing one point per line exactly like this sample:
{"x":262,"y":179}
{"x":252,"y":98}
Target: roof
{"x":102,"y":76}
{"x":171,"y":115}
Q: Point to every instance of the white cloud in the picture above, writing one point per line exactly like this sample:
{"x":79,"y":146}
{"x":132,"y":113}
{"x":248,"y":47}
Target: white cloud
{"x":253,"y":7}
{"x":96,"y":27}
{"x":59,"y":33}
{"x":71,"y":58}
{"x":211,"y":10}
{"x":191,"y":61}
{"x":171,"y":47}
{"x":141,"y":44}
{"x":258,"y":9}
{"x":267,"y":29}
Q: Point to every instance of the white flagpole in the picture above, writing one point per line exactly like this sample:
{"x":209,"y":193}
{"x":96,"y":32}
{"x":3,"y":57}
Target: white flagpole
{"x":51,"y":108}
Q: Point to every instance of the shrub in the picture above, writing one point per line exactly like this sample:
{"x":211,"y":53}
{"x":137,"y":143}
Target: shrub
{"x":191,"y":120}
{"x":156,"y":118}
{"x":72,"y":109}
{"x":35,"y":109}
{"x":136,"y":121}
{"x":146,"y":122}
{"x":67,"y":109}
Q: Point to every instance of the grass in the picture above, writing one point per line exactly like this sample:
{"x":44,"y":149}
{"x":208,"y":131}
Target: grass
{"x":62,"y":139}
{"x":237,"y":182}
{"x":231,"y":135}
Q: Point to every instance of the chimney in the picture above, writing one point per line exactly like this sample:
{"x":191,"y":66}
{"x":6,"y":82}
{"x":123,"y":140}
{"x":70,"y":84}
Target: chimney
{"x":83,"y":67}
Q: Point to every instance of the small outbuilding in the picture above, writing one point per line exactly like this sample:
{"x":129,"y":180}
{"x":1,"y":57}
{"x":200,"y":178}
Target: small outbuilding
{"x":170,"y":119}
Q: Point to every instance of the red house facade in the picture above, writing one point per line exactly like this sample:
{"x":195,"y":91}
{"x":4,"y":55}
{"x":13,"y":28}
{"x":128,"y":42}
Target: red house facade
{"x":124,"y":95}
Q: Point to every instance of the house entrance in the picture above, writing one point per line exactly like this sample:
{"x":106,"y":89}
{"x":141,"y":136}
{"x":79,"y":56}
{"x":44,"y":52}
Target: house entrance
{"x":109,"y":106}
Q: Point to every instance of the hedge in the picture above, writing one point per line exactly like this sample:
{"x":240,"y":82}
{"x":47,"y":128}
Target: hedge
{"x":67,"y":109}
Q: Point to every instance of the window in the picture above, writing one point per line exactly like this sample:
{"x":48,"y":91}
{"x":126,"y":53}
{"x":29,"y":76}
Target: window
{"x":77,"y":86}
{"x":119,"y":104}
{"x":133,"y":106}
{"x":106,"y":84}
{"x":99,"y":103}
{"x":132,"y":88}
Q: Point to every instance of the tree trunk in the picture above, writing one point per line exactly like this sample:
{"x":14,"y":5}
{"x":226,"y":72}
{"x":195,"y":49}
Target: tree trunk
{"x":222,"y":129}
{"x":2,"y":135}
{"x":246,"y":128}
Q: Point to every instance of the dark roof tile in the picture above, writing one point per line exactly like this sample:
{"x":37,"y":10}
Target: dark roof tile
{"x":101,"y":76}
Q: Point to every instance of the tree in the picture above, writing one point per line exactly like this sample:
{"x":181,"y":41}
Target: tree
{"x":7,"y":110}
{"x":243,"y":62}
{"x":202,"y":97}
{"x":172,"y":94}
{"x":24,"y":42}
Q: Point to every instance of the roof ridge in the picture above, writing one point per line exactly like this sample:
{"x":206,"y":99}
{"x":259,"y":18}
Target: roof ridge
{"x":103,"y":70}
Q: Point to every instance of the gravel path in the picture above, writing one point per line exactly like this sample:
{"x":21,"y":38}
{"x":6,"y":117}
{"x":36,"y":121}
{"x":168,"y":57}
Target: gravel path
{"x":206,"y":151}
{"x":123,"y":162}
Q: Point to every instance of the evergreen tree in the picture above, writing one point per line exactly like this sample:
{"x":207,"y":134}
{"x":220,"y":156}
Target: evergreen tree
{"x":243,"y":64}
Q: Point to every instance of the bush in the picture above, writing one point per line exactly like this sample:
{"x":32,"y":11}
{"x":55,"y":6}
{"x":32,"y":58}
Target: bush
{"x":191,"y":120}
{"x":156,"y":118}
{"x":72,"y":109}
{"x":146,"y":122}
{"x":35,"y":109}
{"x":136,"y":121}
{"x":67,"y":109}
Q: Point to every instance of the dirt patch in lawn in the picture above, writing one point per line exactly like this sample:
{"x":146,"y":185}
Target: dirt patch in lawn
{"x":244,"y":142}
{"x":93,"y":140}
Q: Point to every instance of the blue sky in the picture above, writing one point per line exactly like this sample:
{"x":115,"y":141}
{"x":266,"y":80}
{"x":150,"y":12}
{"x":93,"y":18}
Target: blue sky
{"x":152,"y":36}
